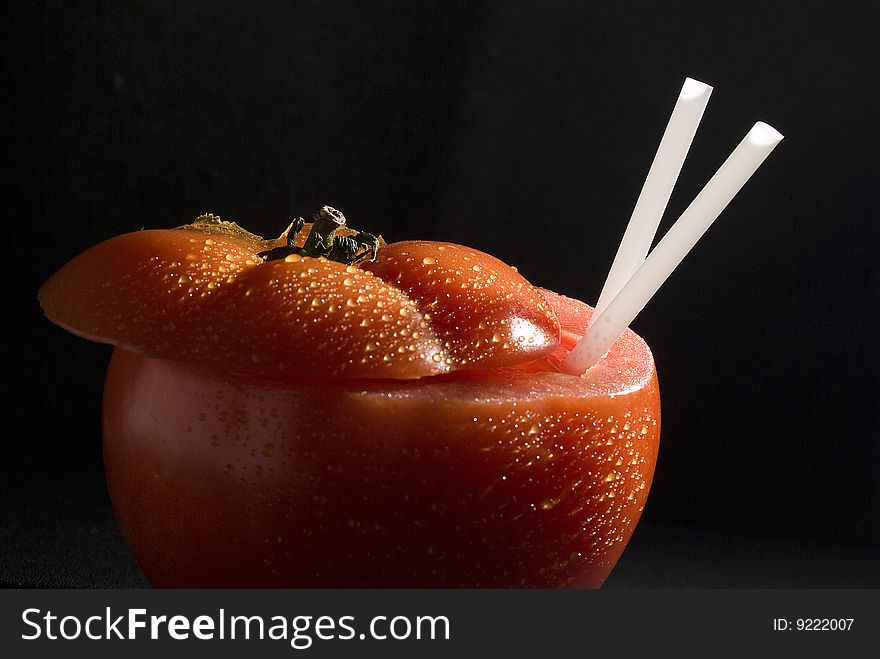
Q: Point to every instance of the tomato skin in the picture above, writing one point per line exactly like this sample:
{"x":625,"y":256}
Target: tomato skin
{"x":454,"y":285}
{"x":302,"y":423}
{"x":203,"y":298}
{"x":200,"y":294}
{"x":492,"y":479}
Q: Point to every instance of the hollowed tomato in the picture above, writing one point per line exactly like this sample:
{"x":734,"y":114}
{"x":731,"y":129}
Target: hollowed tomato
{"x":302,"y":423}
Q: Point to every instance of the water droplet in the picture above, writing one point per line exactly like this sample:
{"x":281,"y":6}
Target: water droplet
{"x":476,"y":268}
{"x":496,"y":338}
{"x":429,"y":260}
{"x":437,"y":357}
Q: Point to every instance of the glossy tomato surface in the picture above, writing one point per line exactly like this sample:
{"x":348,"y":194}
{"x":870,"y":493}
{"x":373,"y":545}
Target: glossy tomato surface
{"x":502,"y":478}
{"x":301,"y":422}
{"x":201,"y":294}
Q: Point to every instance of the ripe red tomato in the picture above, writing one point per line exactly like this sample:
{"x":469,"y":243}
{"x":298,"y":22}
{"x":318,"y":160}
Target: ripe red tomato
{"x":302,"y":423}
{"x":202,"y":295}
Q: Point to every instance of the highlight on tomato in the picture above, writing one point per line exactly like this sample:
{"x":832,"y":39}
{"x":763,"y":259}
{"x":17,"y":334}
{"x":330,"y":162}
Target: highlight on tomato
{"x":327,"y":410}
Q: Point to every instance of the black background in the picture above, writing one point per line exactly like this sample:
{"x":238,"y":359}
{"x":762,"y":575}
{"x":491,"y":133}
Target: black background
{"x":524,"y":130}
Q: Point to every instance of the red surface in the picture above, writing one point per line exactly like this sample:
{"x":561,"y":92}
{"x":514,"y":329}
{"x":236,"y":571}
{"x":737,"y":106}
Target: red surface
{"x":201,"y":296}
{"x":302,"y":423}
{"x":496,"y":479}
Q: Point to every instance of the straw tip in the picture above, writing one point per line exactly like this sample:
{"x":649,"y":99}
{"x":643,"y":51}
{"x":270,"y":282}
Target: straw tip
{"x":764,"y":135}
{"x":694,"y":88}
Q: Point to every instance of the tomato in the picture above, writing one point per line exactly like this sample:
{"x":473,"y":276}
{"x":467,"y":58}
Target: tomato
{"x":202,"y":295}
{"x":416,"y":434}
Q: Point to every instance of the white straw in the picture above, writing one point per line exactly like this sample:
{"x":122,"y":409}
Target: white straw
{"x":674,"y":246}
{"x":657,"y":188}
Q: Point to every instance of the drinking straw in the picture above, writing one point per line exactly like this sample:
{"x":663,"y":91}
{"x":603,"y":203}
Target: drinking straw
{"x":669,"y":252}
{"x":652,"y":201}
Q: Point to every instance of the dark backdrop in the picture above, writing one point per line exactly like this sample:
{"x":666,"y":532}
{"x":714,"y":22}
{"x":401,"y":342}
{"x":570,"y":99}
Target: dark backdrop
{"x":523,"y":129}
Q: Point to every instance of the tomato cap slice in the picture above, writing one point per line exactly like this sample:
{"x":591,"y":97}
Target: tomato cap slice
{"x":201,"y":295}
